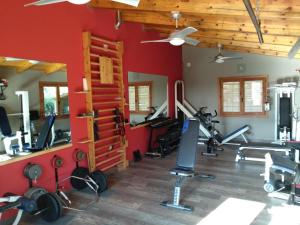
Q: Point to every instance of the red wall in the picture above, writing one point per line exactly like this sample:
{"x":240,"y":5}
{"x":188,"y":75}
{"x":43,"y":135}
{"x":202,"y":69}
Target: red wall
{"x":53,"y":33}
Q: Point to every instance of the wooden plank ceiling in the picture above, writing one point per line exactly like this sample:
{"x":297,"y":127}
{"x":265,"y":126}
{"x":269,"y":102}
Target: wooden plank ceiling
{"x":21,"y":65}
{"x":220,"y":21}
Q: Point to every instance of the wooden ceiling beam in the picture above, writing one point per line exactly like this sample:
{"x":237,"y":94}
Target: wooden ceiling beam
{"x":229,"y":35}
{"x":54,"y":67}
{"x":164,"y":19}
{"x":247,"y":50}
{"x":268,"y":8}
{"x":245,"y":44}
{"x":242,"y":46}
{"x":26,"y":66}
{"x":266,"y":47}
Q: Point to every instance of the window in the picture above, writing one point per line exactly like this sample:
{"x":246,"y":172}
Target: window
{"x":242,"y":95}
{"x":140,"y":97}
{"x":54,"y":98}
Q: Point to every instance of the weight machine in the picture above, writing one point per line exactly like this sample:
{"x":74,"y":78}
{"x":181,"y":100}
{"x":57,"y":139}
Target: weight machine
{"x":24,"y":116}
{"x":285,"y":127}
{"x":24,"y":134}
{"x":182,"y":105}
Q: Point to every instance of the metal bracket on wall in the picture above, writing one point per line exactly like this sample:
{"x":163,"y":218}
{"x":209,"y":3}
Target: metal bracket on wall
{"x":118,"y":20}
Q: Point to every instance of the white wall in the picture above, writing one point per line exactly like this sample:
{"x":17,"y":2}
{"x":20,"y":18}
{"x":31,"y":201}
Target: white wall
{"x":159,"y":91}
{"x":27,"y":81}
{"x":201,"y":82}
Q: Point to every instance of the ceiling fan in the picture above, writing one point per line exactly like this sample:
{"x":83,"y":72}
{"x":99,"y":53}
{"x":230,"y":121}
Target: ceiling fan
{"x":220,"y":58}
{"x":178,"y":37}
{"x":79,"y":2}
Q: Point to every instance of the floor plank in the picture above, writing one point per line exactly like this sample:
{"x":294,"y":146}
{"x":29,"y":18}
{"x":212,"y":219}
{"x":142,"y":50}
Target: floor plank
{"x":134,"y":194}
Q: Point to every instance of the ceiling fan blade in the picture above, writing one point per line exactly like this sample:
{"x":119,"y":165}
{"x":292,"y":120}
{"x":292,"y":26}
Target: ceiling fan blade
{"x":134,"y":3}
{"x":44,"y":2}
{"x":156,"y":41}
{"x":191,"y":41}
{"x":184,"y":32}
{"x":231,"y":57}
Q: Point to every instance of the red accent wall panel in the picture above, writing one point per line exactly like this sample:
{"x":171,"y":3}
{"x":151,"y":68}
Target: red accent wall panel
{"x":54,"y":33}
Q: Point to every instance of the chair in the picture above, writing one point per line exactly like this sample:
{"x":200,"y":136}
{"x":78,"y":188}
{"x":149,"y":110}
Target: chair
{"x":185,"y":163}
{"x":8,"y":135}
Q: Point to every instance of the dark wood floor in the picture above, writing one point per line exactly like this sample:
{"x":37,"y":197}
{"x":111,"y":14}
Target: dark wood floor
{"x":134,"y":195}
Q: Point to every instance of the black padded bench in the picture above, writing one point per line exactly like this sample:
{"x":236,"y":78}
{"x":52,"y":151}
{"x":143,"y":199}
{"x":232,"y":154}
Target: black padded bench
{"x":282,"y":174}
{"x":185,"y":163}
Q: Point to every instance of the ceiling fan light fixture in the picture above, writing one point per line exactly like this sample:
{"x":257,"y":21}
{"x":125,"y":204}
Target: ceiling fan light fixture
{"x":79,"y":2}
{"x":33,"y":62}
{"x":219,"y":61}
{"x":177,"y":41}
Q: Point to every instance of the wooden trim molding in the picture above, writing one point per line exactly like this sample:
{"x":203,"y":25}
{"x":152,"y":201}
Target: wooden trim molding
{"x":35,"y":154}
{"x":137,"y":84}
{"x":41,"y":95}
{"x":242,"y":80}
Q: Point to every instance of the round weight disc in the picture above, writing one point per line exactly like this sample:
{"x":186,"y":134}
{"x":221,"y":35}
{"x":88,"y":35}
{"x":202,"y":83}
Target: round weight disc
{"x":50,"y":209}
{"x":57,"y":162}
{"x":101,"y":180}
{"x":79,"y":172}
{"x":33,"y":171}
{"x":269,"y":187}
{"x":79,"y":155}
{"x":34,"y":193}
{"x":54,"y":195}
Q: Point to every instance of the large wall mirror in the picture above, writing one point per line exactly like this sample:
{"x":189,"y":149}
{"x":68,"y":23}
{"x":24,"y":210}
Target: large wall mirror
{"x":34,"y":106}
{"x":148,"y":97}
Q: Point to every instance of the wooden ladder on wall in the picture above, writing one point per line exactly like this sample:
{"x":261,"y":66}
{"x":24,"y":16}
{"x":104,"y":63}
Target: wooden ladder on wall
{"x":107,"y":146}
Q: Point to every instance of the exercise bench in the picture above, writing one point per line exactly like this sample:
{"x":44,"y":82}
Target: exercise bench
{"x":282,"y":178}
{"x":185,"y":163}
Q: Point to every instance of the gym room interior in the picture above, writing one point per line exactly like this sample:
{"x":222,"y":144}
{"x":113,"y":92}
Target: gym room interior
{"x":149,"y":112}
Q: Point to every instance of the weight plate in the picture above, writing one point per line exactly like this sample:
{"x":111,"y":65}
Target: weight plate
{"x":79,"y":172}
{"x":49,"y":207}
{"x":34,"y":193}
{"x":79,"y":155}
{"x":58,"y":202}
{"x":28,"y":205}
{"x":33,"y":171}
{"x":269,"y":187}
{"x":100,"y":179}
{"x":57,"y":162}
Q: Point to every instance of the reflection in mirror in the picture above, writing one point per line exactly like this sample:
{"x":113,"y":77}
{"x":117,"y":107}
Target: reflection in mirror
{"x":148,"y":97}
{"x":34,"y":106}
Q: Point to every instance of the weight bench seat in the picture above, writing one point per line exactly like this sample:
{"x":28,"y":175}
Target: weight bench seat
{"x":235,"y":134}
{"x":44,"y":134}
{"x":241,"y":155}
{"x":185,"y":162}
{"x":281,"y":163}
{"x":182,"y":172}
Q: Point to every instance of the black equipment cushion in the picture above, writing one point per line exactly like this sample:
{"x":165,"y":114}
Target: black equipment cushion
{"x":236,"y":131}
{"x":285,"y":112}
{"x":44,"y":134}
{"x":186,"y":156}
{"x":282,"y":163}
{"x":4,"y":123}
